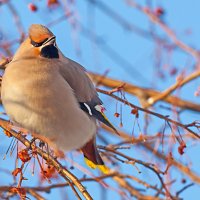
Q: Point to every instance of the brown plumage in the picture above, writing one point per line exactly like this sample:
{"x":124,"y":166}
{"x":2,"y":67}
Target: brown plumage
{"x":51,"y":95}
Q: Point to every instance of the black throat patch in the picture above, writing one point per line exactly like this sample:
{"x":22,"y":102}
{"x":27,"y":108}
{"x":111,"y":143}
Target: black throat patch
{"x":49,"y":51}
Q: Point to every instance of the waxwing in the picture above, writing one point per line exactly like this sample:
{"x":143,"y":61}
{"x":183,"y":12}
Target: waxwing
{"x":52,"y":96}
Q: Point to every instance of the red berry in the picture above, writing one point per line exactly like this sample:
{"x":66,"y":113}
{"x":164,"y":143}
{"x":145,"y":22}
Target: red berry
{"x":183,"y":181}
{"x":159,"y":11}
{"x":173,"y":71}
{"x":116,"y":114}
{"x":32,"y":7}
{"x":24,"y":155}
{"x":181,"y":148}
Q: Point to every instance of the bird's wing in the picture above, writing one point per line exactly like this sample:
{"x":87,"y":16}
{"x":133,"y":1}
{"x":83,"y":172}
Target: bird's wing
{"x":84,"y":90}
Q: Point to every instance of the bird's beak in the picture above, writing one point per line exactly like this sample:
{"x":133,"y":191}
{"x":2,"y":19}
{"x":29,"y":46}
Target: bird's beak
{"x":50,"y":41}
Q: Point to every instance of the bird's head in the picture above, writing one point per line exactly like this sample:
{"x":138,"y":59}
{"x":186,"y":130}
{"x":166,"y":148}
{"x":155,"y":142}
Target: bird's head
{"x":41,"y":42}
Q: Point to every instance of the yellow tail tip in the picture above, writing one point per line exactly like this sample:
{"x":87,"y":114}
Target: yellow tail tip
{"x":102,"y":168}
{"x":90,"y":164}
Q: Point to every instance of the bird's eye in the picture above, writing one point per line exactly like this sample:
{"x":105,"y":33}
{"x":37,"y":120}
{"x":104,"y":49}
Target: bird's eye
{"x":36,"y":44}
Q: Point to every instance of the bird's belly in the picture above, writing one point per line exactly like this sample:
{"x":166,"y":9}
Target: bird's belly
{"x":47,"y":112}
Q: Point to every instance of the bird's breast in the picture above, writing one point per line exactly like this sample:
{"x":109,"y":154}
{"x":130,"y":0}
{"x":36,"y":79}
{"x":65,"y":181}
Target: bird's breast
{"x":41,"y":101}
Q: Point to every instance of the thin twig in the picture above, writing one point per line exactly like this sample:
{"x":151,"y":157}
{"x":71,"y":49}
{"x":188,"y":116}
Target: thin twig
{"x":178,"y":84}
{"x":184,"y":188}
{"x":166,"y":118}
{"x":166,"y":29}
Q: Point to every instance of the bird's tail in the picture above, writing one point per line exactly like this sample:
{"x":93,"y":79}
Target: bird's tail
{"x":92,"y":157}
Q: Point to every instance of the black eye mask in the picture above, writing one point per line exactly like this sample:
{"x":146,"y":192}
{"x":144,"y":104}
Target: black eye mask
{"x":49,"y":51}
{"x":35,"y":44}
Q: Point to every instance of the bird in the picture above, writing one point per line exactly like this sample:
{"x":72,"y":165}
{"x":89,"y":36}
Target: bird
{"x":51,"y":95}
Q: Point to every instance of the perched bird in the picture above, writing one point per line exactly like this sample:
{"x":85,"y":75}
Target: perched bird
{"x":50,"y":95}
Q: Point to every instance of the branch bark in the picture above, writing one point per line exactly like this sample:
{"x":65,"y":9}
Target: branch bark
{"x":143,"y":93}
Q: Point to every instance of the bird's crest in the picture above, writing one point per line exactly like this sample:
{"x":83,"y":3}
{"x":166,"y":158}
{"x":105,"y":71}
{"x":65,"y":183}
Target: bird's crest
{"x":38,"y":33}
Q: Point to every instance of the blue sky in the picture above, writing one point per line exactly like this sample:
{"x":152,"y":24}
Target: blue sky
{"x":137,"y":52}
